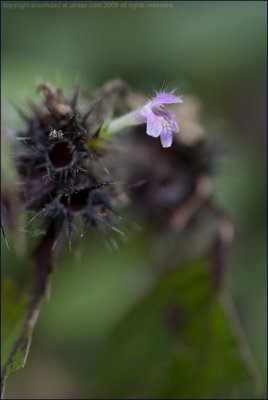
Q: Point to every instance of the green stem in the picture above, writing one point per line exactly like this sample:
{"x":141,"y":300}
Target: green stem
{"x":116,"y":125}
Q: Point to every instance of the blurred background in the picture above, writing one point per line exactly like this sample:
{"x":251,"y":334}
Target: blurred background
{"x":212,"y":50}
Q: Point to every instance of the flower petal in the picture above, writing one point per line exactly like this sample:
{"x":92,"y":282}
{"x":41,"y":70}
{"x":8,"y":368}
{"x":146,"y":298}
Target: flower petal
{"x":142,"y":114}
{"x":154,"y":124}
{"x":166,"y":98}
{"x":173,"y":123}
{"x":166,"y":138}
{"x":169,"y":117}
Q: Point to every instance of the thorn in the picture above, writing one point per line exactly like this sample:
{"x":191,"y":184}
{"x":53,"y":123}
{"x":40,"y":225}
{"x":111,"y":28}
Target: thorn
{"x":54,"y":244}
{"x":4,"y":236}
{"x":73,"y":101}
{"x":117,"y":230}
{"x":24,"y":138}
{"x":21,"y":113}
{"x":82,"y":169}
{"x":96,"y":158}
{"x":136,"y":184}
{"x":34,"y":217}
{"x":106,"y":169}
{"x":85,"y":117}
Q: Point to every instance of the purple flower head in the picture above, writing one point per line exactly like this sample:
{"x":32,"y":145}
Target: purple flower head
{"x":160,"y":122}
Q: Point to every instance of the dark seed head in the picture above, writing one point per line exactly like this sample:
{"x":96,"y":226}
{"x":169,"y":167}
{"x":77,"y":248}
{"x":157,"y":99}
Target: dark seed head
{"x":61,"y":173}
{"x":76,"y":202}
{"x":61,"y":155}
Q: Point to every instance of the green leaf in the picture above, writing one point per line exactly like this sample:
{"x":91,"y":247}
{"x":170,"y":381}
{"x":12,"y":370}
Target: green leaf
{"x":15,"y":335}
{"x":20,"y":308}
{"x":175,"y":343}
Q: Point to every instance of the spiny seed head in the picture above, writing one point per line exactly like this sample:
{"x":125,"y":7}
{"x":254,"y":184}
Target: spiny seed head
{"x":56,"y":165}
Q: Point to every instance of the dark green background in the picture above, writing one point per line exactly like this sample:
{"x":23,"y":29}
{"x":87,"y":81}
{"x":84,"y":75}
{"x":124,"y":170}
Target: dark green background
{"x":214,"y":50}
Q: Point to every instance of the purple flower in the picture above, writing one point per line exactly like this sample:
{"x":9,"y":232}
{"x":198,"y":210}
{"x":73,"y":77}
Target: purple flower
{"x":160,"y":122}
